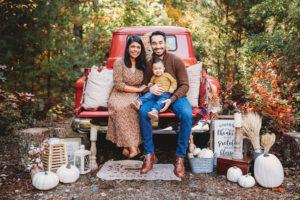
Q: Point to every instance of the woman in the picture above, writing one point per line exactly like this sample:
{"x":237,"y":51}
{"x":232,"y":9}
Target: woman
{"x":123,"y":123}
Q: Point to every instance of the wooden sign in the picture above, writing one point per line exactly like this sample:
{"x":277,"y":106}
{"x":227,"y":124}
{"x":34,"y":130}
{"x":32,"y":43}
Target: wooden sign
{"x":224,"y":137}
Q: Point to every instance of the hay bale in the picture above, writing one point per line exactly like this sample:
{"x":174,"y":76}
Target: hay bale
{"x":290,"y":147}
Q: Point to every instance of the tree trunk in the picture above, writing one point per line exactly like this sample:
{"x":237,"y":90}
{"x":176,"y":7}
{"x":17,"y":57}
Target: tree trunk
{"x":48,"y":77}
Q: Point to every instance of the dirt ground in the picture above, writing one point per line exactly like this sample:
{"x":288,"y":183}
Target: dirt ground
{"x":16,"y":184}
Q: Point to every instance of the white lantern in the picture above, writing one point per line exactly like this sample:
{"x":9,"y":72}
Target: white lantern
{"x":82,"y":160}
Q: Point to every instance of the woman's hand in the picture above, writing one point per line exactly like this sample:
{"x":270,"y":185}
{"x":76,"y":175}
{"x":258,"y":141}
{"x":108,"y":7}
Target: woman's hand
{"x":156,"y":89}
{"x":142,"y":88}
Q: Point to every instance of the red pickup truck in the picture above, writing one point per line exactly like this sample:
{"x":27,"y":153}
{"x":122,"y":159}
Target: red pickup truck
{"x":179,"y":42}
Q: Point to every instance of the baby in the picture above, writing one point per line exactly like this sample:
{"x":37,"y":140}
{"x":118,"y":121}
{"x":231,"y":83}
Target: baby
{"x":164,"y":80}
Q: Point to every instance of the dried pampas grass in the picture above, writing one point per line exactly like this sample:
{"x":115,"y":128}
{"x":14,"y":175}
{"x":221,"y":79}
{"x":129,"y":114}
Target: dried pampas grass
{"x":267,"y":141}
{"x":251,"y":125}
{"x":214,"y":104}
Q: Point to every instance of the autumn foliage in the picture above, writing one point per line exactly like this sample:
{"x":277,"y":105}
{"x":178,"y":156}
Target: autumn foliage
{"x":17,"y":110}
{"x":266,"y":97}
{"x":264,"y":94}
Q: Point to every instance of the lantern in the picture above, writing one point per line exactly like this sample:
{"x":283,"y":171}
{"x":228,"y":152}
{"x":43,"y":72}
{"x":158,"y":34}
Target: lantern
{"x":82,"y":160}
{"x":54,"y":156}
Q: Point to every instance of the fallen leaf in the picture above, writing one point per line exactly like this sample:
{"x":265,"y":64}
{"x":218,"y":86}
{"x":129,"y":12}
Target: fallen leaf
{"x":279,"y":189}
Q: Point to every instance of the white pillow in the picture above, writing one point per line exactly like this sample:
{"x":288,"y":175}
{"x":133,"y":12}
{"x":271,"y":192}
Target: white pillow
{"x":98,"y":88}
{"x":194,"y":75}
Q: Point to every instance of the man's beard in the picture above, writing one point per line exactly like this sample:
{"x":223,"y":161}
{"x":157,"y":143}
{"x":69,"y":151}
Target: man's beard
{"x":162,"y":54}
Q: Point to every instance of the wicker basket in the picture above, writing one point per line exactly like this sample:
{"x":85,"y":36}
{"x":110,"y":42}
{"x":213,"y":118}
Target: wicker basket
{"x":202,"y":165}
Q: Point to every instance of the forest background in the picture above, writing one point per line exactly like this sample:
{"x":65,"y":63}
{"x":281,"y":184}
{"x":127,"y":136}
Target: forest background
{"x":251,"y":46}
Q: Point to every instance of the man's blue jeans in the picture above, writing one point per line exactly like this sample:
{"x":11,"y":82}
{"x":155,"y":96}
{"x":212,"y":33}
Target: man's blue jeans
{"x":159,"y":100}
{"x":183,"y":110}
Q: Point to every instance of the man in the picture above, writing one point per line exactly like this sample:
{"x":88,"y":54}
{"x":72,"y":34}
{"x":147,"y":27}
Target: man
{"x":178,"y":103}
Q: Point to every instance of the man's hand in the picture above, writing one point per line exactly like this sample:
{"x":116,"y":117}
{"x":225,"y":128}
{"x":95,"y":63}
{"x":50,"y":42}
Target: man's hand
{"x":156,"y":89}
{"x":167,"y":105}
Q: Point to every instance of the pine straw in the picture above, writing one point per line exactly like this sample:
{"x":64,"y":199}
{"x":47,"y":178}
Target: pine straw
{"x":251,"y":126}
{"x":267,"y":141}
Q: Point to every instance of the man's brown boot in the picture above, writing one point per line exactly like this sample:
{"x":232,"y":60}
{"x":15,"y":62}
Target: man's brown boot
{"x":149,"y":161}
{"x":179,"y":167}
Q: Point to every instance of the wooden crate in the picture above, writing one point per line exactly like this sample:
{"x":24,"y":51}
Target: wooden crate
{"x":55,"y":156}
{"x":224,"y":163}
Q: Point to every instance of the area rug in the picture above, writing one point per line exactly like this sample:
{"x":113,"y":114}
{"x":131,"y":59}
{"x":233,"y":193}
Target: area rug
{"x":129,"y":170}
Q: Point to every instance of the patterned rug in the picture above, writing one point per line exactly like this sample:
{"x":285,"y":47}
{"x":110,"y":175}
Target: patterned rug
{"x":129,"y":170}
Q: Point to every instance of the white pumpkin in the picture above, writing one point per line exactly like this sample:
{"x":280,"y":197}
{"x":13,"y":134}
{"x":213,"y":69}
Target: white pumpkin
{"x":268,"y":171}
{"x":190,"y":155}
{"x":234,"y":173}
{"x":68,"y":173}
{"x":246,"y":181}
{"x":45,"y":180}
{"x":196,"y":151}
{"x":54,"y":141}
{"x":206,"y":153}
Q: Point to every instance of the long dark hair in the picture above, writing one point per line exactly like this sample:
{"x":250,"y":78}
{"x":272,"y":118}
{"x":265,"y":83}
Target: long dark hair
{"x":141,"y":59}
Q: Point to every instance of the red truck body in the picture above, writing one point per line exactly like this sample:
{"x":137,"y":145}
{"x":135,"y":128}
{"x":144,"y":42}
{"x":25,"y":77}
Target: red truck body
{"x":181,"y":43}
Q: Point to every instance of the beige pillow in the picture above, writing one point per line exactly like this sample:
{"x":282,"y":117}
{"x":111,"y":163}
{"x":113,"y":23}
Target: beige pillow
{"x":98,"y":88}
{"x":194,"y":74}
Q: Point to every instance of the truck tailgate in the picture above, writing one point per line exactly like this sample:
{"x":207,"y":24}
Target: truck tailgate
{"x":104,"y":114}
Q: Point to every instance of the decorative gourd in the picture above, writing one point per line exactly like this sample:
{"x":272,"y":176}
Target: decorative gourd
{"x":68,"y":173}
{"x":190,"y":155}
{"x":268,"y":171}
{"x":45,"y":180}
{"x":234,"y":173}
{"x":196,"y":151}
{"x":246,"y":181}
{"x":206,"y":153}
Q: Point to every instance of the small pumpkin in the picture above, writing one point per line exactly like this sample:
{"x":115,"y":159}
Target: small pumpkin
{"x":190,"y":155}
{"x":196,"y":151}
{"x":234,"y":173}
{"x":68,"y":173}
{"x":45,"y":180}
{"x":206,"y":153}
{"x":268,"y":171}
{"x":246,"y":181}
